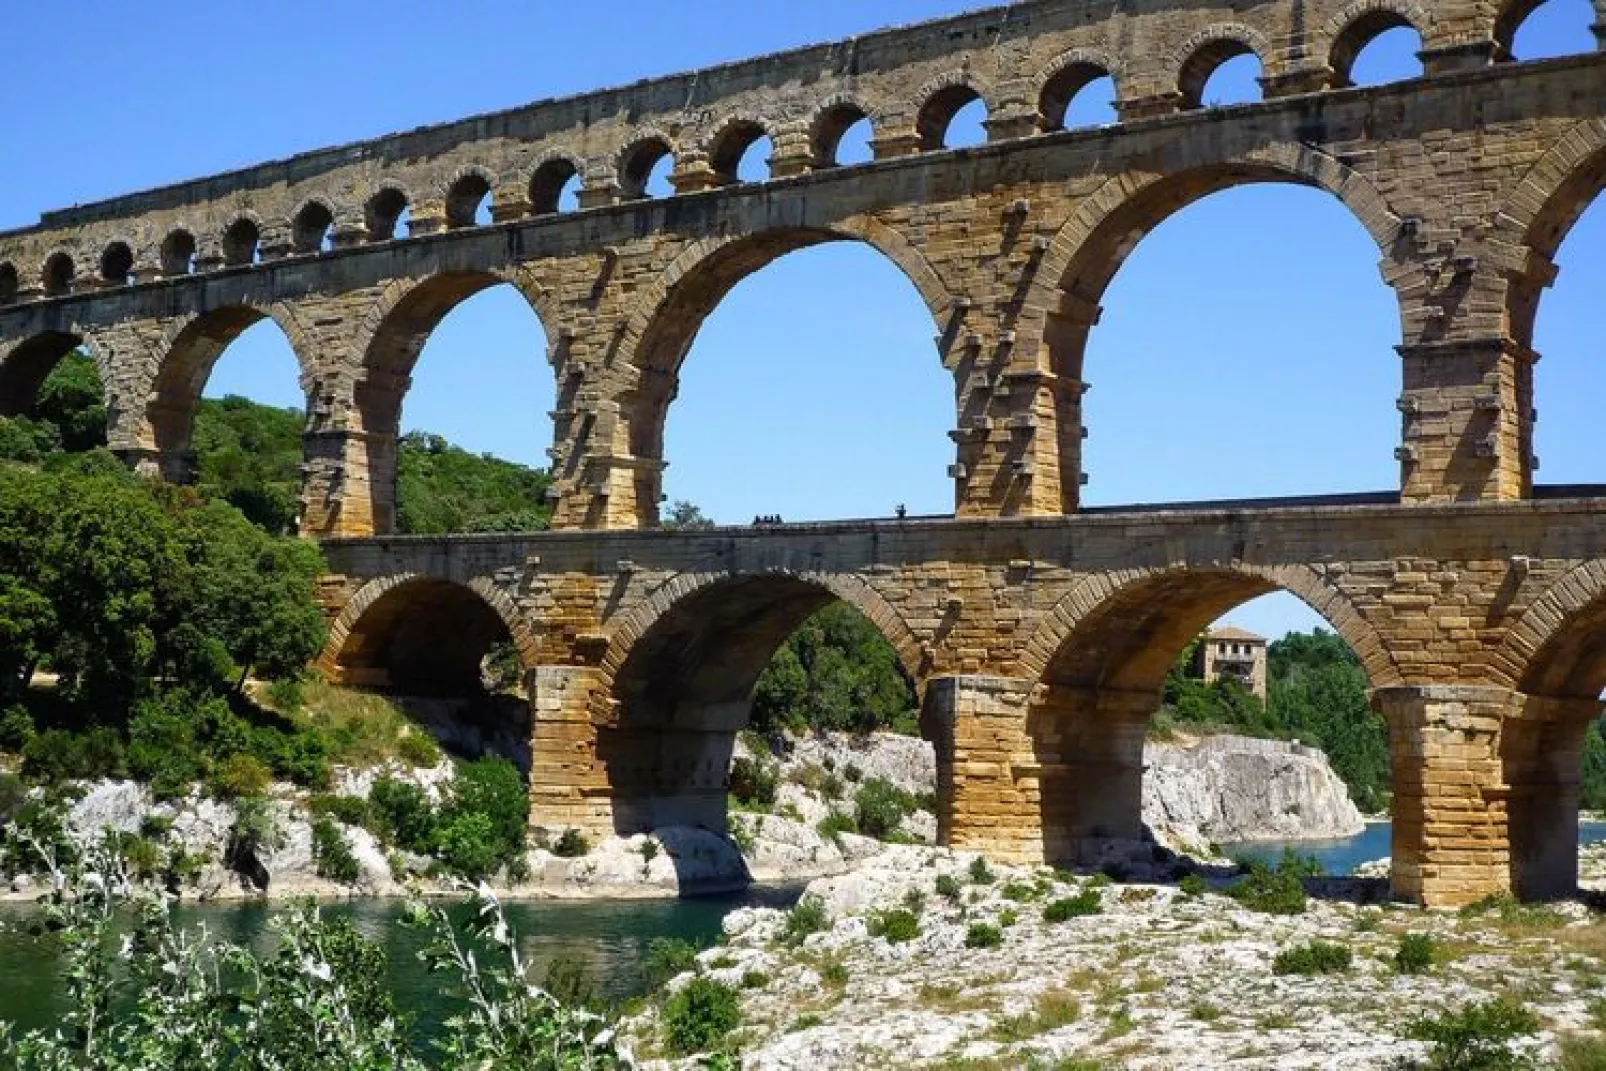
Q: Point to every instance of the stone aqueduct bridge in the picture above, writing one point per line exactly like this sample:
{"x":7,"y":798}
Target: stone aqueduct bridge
{"x":1037,"y":634}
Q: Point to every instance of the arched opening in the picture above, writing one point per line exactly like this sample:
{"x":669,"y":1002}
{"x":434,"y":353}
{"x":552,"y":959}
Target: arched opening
{"x":1077,"y":95}
{"x":437,"y":349}
{"x":1542,"y":29}
{"x":952,"y":118}
{"x":644,"y":170}
{"x":242,"y":243}
{"x":1378,"y":47}
{"x":555,"y":187}
{"x":685,"y":688}
{"x":178,"y":253}
{"x":386,"y":215}
{"x":117,"y":264}
{"x":447,"y":657}
{"x":741,"y":153}
{"x":242,"y":442}
{"x":1173,"y":404}
{"x":1220,"y":72}
{"x":1153,"y":668}
{"x":1556,"y":313}
{"x":9,"y":284}
{"x":57,"y":276}
{"x":468,"y":202}
{"x":1552,"y":749}
{"x":769,"y":431}
{"x":313,"y":229}
{"x":26,"y":366}
{"x":842,"y":136}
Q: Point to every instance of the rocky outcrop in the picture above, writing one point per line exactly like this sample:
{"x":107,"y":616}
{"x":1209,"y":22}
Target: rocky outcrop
{"x":1224,"y":789}
{"x":1153,"y":978}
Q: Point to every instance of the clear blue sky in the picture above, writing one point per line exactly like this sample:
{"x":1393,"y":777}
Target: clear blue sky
{"x":1246,"y":346}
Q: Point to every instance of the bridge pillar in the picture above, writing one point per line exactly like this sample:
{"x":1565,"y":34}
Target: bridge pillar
{"x":1466,"y":421}
{"x":1089,"y":751}
{"x":1451,"y":842}
{"x":1542,"y":745}
{"x":984,"y":803}
{"x":568,"y":787}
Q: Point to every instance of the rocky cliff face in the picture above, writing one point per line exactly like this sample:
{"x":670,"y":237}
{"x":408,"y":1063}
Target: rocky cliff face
{"x":1221,"y":789}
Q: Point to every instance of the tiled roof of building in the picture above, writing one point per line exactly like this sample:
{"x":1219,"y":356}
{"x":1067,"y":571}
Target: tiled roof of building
{"x":1228,"y":632}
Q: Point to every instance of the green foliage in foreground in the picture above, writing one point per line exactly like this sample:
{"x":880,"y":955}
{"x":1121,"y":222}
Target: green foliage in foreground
{"x":700,"y":1015}
{"x":1275,"y":892}
{"x":1086,"y":902}
{"x":168,"y":1000}
{"x":1477,"y":1037}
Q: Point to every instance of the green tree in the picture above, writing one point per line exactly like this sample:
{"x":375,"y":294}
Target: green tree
{"x":835,"y":672}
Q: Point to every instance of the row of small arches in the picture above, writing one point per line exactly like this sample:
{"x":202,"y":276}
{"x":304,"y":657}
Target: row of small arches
{"x":738,"y":152}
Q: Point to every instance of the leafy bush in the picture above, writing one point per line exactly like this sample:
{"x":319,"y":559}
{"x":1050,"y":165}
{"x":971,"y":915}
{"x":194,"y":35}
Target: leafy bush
{"x":879,"y":807}
{"x":468,"y":845}
{"x":288,"y":695}
{"x":1019,"y":892}
{"x":754,"y":782}
{"x":1417,"y":953}
{"x":352,"y":810}
{"x":239,"y":775}
{"x":1275,"y":892}
{"x":948,"y":887}
{"x":494,"y":789}
{"x":418,"y":749}
{"x":56,"y":755}
{"x":667,"y":957}
{"x":331,"y":853}
{"x":16,"y":729}
{"x":404,"y":813}
{"x":1086,"y":902}
{"x":1476,"y":1037}
{"x":1317,"y":957}
{"x":1193,"y":885}
{"x":981,"y":935}
{"x":895,"y":925}
{"x":980,"y":872}
{"x":571,"y":844}
{"x":700,"y":1015}
{"x":836,"y":823}
{"x":806,"y":917}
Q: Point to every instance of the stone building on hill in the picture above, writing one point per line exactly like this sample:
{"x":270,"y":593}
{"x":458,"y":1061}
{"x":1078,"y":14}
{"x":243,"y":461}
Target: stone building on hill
{"x":1234,"y":652}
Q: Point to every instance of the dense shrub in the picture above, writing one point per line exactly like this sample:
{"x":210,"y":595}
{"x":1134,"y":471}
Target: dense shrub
{"x":418,"y":749}
{"x":16,"y":729}
{"x":948,"y":887}
{"x":56,"y":755}
{"x":1476,"y":1037}
{"x":1086,"y":902}
{"x":980,"y":872}
{"x":572,"y":844}
{"x":493,"y":789}
{"x":806,"y":917}
{"x":239,"y":775}
{"x":331,"y":853}
{"x":468,"y":845}
{"x":753,"y":782}
{"x":835,"y":823}
{"x":352,"y":810}
{"x":1275,"y":892}
{"x":699,"y":1016}
{"x":1417,"y":953}
{"x":1317,"y":957}
{"x":667,"y":957}
{"x":1192,"y":885}
{"x":895,"y":925}
{"x":879,"y":807}
{"x":981,"y":935}
{"x":404,"y":814}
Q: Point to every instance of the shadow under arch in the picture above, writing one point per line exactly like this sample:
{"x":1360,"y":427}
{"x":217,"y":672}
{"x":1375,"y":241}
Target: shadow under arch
{"x":680,"y":675}
{"x":670,"y":313}
{"x":1555,"y":659}
{"x":397,"y":328}
{"x":1087,"y":252}
{"x":193,"y":348}
{"x":1099,"y":662}
{"x":25,"y":366}
{"x":422,"y":635}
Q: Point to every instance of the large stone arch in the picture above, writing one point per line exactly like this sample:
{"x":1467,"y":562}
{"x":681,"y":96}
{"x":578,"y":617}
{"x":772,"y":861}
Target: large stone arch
{"x":189,"y":349}
{"x":670,"y":311}
{"x":1062,"y":302}
{"x":1095,"y":593}
{"x":345,"y":657}
{"x":677,"y":679}
{"x":853,"y":590}
{"x":1547,"y":650}
{"x":1349,"y":31}
{"x":26,"y":364}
